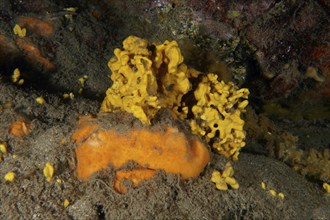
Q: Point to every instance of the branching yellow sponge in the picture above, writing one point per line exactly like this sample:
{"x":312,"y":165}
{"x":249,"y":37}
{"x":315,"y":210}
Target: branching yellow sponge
{"x":146,"y":78}
{"x":217,"y":115}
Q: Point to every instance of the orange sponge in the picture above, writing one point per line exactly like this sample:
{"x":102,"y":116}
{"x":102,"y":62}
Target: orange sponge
{"x":164,"y":148}
{"x":135,"y":175}
{"x":40,"y":27}
{"x":20,"y":128}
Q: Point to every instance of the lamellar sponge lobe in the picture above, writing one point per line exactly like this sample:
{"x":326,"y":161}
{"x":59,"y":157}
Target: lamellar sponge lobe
{"x":217,"y":115}
{"x":146,"y":78}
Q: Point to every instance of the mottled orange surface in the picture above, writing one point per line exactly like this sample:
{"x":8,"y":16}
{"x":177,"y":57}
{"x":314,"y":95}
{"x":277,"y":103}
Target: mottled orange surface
{"x":20,"y":128}
{"x":167,"y":149}
{"x":85,"y":128}
{"x":37,"y":26}
{"x":135,"y":175}
{"x":33,"y":54}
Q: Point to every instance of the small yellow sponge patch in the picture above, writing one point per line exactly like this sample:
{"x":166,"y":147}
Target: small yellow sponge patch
{"x":217,"y":115}
{"x":48,"y":171}
{"x":40,"y":100}
{"x":326,"y":186}
{"x":146,"y":78}
{"x":226,"y":178}
{"x":66,"y":203}
{"x":10,"y":176}
{"x":21,"y":32}
{"x":3,"y":148}
{"x":280,"y":195}
{"x":16,"y":75}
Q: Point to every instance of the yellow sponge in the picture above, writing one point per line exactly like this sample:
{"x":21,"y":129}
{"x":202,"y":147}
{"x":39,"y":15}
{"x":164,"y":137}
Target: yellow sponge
{"x":146,"y":78}
{"x":217,"y":115}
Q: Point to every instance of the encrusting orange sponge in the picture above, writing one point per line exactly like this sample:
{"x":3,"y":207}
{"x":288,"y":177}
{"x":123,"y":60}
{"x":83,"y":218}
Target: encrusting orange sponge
{"x":20,"y":128}
{"x":165,"y":148}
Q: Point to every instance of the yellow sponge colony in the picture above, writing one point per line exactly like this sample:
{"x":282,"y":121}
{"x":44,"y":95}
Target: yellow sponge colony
{"x":217,"y":115}
{"x":146,"y":78}
{"x":149,"y":77}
